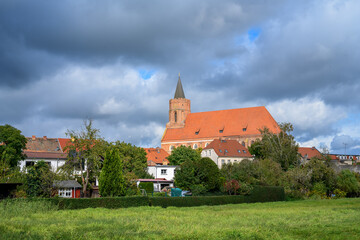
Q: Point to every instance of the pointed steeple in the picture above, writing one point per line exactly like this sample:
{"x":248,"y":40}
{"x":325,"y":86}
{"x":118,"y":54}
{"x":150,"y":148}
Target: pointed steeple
{"x":179,"y":93}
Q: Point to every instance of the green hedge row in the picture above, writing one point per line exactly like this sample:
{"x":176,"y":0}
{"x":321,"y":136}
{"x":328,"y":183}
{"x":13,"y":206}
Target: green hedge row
{"x":258,"y":194}
{"x":104,"y":202}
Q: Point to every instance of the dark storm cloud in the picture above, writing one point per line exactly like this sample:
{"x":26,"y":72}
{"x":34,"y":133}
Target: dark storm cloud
{"x":64,"y":61}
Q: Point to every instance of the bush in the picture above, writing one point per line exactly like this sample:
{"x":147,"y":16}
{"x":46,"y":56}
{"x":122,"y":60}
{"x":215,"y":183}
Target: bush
{"x":148,"y":186}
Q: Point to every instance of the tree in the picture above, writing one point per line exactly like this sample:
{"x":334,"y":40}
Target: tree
{"x":280,"y":147}
{"x":268,"y":172}
{"x":85,"y":151}
{"x":12,"y":142}
{"x":347,"y":182}
{"x":112,"y":182}
{"x":244,"y":171}
{"x":180,"y":154}
{"x":39,"y":180}
{"x":134,"y":158}
{"x":321,"y":172}
{"x":185,"y":177}
{"x":208,"y":174}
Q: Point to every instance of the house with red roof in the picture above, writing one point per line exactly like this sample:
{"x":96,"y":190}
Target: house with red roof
{"x":306,"y":153}
{"x":223,"y":151}
{"x":156,"y":156}
{"x":201,"y":128}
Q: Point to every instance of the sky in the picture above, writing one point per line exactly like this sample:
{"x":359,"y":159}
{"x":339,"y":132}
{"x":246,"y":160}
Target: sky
{"x":117,"y":62}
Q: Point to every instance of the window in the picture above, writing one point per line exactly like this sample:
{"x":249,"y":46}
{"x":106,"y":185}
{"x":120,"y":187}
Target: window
{"x":163,"y":171}
{"x":195,"y":146}
{"x":175,"y":116}
{"x":172,"y":147}
{"x":235,"y":160}
{"x":226,"y":150}
{"x":243,"y":143}
{"x":65,"y":192}
{"x":244,"y":151}
{"x":209,"y":152}
{"x":229,"y":161}
{"x":222,"y":161}
{"x":220,"y":150}
{"x":206,"y":144}
{"x":29,"y":163}
{"x":244,"y":129}
{"x":221,"y":130}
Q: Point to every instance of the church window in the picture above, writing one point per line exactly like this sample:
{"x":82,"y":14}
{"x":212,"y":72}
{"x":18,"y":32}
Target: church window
{"x":172,"y":147}
{"x":195,"y":146}
{"x":175,"y":116}
{"x":206,"y":144}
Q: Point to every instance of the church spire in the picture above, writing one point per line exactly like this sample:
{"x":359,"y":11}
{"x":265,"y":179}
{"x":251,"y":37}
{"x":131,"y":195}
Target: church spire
{"x":179,"y":93}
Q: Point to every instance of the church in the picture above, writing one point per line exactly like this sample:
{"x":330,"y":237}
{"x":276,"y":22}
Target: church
{"x":199,"y":129}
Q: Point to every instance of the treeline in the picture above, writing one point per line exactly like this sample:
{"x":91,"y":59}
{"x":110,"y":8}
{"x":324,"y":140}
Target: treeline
{"x":276,"y":163}
{"x":121,"y":163}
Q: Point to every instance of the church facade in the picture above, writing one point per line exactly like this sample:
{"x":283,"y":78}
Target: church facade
{"x":200,"y":129}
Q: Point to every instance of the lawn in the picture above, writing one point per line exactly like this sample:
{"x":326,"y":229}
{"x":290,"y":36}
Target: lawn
{"x":310,"y":219}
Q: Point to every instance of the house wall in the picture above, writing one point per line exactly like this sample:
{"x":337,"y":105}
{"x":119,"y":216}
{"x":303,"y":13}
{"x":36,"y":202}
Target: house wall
{"x":54,"y":163}
{"x":210,"y":153}
{"x":156,"y":171}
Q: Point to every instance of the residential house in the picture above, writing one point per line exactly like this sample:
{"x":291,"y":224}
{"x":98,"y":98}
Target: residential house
{"x":156,"y":156}
{"x":223,"y":151}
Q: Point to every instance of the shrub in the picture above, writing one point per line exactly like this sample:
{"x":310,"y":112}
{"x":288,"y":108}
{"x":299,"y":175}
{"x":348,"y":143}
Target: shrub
{"x":347,"y":182}
{"x":148,"y":186}
{"x":338,"y":194}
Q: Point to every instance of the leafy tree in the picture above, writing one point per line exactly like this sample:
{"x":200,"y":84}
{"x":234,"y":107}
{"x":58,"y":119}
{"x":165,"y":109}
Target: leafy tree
{"x":39,"y":180}
{"x":85,"y":151}
{"x":280,"y":147}
{"x":321,"y":172}
{"x":244,"y":171}
{"x":112,"y":182}
{"x":198,"y":176}
{"x":347,"y":182}
{"x":297,"y":182}
{"x":180,"y":154}
{"x":134,"y":158}
{"x":208,"y":173}
{"x":12,"y":142}
{"x":268,"y":172}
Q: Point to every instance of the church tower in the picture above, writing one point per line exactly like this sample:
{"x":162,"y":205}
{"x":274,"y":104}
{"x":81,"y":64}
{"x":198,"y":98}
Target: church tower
{"x":179,"y":108}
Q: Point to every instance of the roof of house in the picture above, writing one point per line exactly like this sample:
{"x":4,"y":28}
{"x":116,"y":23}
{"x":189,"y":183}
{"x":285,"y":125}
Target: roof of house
{"x":228,"y":148}
{"x":67,"y":184}
{"x":156,"y":155}
{"x":63,"y":143}
{"x":42,"y":144}
{"x":309,"y":152}
{"x":44,"y":155}
{"x":233,"y":122}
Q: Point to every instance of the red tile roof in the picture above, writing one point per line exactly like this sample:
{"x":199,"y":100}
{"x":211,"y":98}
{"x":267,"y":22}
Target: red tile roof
{"x":157,"y":156}
{"x":309,"y":152}
{"x":232,"y":122}
{"x":45,"y":155}
{"x":333,"y":157}
{"x":229,"y":148}
{"x":43,"y":144}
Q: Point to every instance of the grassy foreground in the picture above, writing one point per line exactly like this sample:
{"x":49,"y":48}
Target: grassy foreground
{"x":311,"y":219}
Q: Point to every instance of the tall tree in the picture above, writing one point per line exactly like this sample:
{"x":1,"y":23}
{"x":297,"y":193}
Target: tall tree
{"x":181,"y":154}
{"x":112,"y":182}
{"x":12,"y":143}
{"x":39,"y":180}
{"x":85,"y":151}
{"x":281,"y":147}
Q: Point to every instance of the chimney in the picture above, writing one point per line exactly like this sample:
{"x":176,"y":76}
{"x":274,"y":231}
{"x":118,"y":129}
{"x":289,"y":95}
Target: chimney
{"x":33,"y":137}
{"x":45,"y":138}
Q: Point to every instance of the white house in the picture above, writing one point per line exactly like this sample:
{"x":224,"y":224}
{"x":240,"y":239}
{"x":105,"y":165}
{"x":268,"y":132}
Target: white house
{"x":226,"y":151}
{"x":162,"y":171}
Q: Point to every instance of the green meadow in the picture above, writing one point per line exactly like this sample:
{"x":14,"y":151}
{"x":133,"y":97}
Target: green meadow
{"x":309,"y":219}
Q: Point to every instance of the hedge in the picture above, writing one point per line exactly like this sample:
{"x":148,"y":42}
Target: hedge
{"x":104,"y":202}
{"x":258,"y":194}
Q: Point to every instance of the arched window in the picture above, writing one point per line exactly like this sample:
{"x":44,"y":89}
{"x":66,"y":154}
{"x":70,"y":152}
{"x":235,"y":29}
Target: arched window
{"x":206,"y":144}
{"x":252,"y":142}
{"x":195,"y":146}
{"x":172,"y":147}
{"x":175,"y":116}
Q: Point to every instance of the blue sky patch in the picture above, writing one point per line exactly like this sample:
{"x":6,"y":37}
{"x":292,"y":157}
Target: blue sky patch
{"x":146,"y":74}
{"x":253,"y":33}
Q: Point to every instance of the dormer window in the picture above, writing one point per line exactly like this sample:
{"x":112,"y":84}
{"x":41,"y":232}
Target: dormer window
{"x":197,"y":132}
{"x":244,"y":151}
{"x":239,"y":151}
{"x":221,"y":130}
{"x":226,"y":150}
{"x":244,"y":129}
{"x":220,"y":150}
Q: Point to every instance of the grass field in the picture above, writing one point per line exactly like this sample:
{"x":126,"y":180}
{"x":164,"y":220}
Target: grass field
{"x":316,"y":219}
